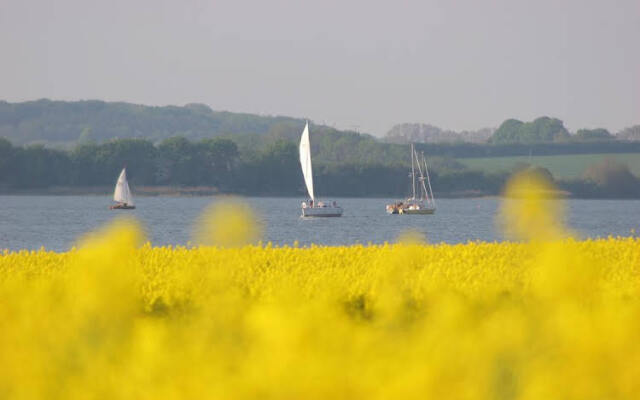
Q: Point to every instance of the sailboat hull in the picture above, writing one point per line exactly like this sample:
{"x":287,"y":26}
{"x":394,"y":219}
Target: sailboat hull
{"x":122,"y":207}
{"x":395,"y":210}
{"x":423,"y":211}
{"x":321,"y":212}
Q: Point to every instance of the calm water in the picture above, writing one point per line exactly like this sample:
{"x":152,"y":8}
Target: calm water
{"x":29,"y":222}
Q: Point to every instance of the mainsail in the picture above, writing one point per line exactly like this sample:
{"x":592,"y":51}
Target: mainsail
{"x":122,"y":194}
{"x":305,"y":160}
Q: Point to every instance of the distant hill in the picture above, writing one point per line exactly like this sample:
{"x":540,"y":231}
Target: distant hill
{"x":425,"y":133}
{"x":61,"y":122}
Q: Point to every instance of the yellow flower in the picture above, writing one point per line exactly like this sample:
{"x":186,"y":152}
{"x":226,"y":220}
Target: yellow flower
{"x":547,"y":317}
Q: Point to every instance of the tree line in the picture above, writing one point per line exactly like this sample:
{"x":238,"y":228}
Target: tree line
{"x":543,"y":130}
{"x":272,"y":168}
{"x":552,"y":130}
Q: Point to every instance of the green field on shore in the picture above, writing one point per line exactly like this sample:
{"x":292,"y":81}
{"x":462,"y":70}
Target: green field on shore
{"x":561,"y":166}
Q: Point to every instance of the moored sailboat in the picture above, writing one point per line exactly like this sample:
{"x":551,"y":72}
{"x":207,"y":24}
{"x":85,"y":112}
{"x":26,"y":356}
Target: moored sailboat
{"x":122,"y":194}
{"x":311,"y":207}
{"x":422,"y":202}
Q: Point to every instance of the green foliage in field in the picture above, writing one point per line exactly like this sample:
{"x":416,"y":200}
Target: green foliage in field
{"x":593,"y":134}
{"x":561,"y":166}
{"x":613,"y":177}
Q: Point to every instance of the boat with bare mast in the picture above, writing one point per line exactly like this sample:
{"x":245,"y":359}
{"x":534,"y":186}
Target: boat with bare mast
{"x":422,"y":202}
{"x":312,"y":207}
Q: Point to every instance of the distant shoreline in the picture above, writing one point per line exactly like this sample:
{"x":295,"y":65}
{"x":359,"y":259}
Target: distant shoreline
{"x":143,"y":191}
{"x":203,"y":191}
{"x":195,"y":191}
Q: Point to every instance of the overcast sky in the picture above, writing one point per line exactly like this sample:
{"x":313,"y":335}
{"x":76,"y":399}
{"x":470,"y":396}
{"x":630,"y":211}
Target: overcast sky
{"x":361,"y":64}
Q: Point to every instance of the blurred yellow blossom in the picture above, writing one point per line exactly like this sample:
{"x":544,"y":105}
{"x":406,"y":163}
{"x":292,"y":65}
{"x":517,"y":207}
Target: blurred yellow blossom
{"x":531,"y":209}
{"x":228,"y":223}
{"x":114,"y":319}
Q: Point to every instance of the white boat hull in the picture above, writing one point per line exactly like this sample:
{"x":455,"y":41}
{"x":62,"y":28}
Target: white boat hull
{"x":321,"y":211}
{"x":420,"y":211}
{"x":411,"y":207}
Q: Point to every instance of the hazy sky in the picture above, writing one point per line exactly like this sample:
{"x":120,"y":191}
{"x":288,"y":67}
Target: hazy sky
{"x":361,"y":64}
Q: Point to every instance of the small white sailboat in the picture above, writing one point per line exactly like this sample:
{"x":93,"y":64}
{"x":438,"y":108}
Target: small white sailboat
{"x":122,"y":194}
{"x":424,"y":203}
{"x":311,"y":207}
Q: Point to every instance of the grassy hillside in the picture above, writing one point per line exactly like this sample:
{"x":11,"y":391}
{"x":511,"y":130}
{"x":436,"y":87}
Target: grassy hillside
{"x":561,"y":166}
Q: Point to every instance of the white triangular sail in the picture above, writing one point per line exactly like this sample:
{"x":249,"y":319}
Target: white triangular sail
{"x":305,"y":160}
{"x":122,"y":194}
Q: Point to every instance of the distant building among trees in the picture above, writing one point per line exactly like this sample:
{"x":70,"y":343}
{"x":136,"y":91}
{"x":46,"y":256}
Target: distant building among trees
{"x":593,"y":134}
{"x":425,"y":133}
{"x":630,"y":133}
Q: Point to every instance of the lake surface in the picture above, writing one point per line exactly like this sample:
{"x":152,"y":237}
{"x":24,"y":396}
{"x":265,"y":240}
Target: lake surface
{"x":55,"y":222}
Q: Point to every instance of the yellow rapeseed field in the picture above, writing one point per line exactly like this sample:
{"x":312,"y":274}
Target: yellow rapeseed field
{"x":542,"y":317}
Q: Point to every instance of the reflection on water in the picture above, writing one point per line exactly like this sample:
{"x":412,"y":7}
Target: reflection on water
{"x":30,"y":222}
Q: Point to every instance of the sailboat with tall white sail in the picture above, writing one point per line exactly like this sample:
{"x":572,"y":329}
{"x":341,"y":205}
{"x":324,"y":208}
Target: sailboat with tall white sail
{"x":421,"y":200}
{"x":122,"y":194}
{"x":312,"y":207}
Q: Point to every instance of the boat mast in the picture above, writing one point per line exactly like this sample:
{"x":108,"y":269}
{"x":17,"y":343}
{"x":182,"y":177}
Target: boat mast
{"x":424,"y":188}
{"x":413,"y":174}
{"x":426,"y":170}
